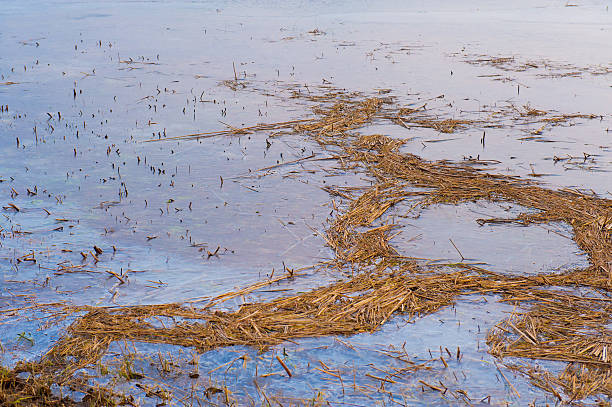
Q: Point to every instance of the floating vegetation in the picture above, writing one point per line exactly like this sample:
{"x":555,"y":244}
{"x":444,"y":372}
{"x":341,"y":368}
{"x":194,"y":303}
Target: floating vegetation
{"x":551,"y":322}
{"x":542,"y":68}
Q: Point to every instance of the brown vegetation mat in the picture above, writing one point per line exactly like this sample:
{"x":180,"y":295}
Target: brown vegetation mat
{"x":561,"y":327}
{"x":17,"y":391}
{"x":556,"y":325}
{"x":36,"y":391}
{"x":543,"y":68}
{"x":359,"y":304}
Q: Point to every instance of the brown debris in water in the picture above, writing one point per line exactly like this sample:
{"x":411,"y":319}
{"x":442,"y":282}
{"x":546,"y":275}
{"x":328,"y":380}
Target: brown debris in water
{"x":561,"y":327}
{"x":543,"y":68}
{"x":18,"y":391}
{"x":556,"y":325}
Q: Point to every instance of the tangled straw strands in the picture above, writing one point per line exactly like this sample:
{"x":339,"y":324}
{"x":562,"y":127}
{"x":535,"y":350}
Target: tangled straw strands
{"x":359,"y":304}
{"x":566,"y":328}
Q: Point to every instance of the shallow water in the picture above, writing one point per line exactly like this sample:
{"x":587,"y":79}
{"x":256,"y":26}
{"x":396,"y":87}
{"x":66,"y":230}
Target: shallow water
{"x":120,"y":73}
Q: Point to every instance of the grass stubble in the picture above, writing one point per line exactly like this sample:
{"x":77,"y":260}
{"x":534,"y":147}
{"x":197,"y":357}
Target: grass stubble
{"x":550,"y":322}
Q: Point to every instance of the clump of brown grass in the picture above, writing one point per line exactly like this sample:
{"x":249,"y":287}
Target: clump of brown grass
{"x":17,"y":391}
{"x":561,"y":327}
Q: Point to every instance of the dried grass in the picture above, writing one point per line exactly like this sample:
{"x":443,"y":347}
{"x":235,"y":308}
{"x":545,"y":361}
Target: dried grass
{"x":555,"y":325}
